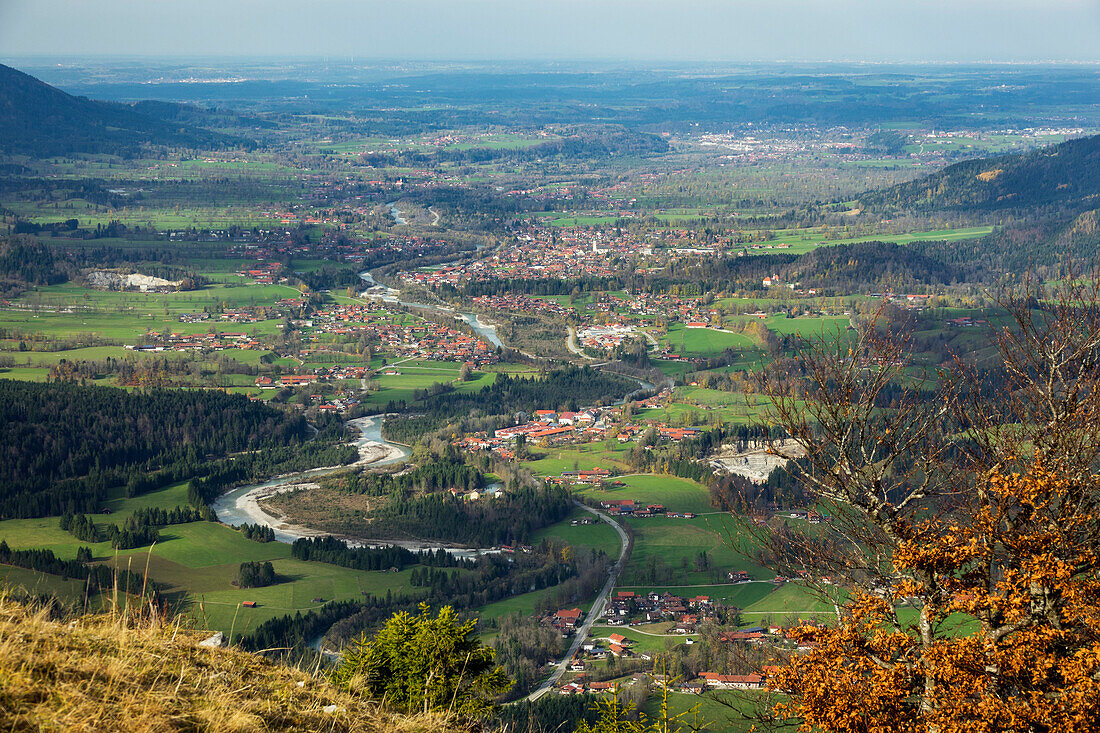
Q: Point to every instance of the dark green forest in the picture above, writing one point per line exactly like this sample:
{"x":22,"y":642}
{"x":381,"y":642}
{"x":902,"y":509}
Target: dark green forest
{"x":1064,"y":177}
{"x":66,"y":444}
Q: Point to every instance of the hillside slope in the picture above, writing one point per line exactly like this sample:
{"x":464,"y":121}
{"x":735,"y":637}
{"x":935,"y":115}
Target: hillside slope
{"x":39,"y":120}
{"x":101,"y":673}
{"x":1065,"y":176}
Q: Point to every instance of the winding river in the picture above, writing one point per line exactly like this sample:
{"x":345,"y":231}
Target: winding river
{"x":242,"y":505}
{"x":484,"y":330}
{"x":396,"y":214}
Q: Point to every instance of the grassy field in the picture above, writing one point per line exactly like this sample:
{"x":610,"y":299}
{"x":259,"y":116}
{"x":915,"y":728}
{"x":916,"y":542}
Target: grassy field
{"x":69,"y":592}
{"x":675,"y":494}
{"x":785,"y":605}
{"x":703,"y":341}
{"x":807,"y":325}
{"x":594,"y":455}
{"x":716,"y":712}
{"x":522,"y":604}
{"x":648,"y":642}
{"x":800,"y":241}
{"x":601,"y":537}
{"x":416,"y":375}
{"x":672,"y":368}
{"x":669,"y":548}
{"x":197,"y":563}
{"x":702,"y":406}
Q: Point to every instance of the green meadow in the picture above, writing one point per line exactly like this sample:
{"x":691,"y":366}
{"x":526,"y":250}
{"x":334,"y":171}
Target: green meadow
{"x":703,"y":341}
{"x":197,"y":562}
{"x":801,"y":241}
{"x":666,"y":549}
{"x":601,"y":536}
{"x":675,"y":494}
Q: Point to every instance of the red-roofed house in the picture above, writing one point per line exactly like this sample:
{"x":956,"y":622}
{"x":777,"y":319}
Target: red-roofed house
{"x":733,"y":681}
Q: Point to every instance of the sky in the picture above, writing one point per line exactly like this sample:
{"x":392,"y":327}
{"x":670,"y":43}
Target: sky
{"x":567,"y":30}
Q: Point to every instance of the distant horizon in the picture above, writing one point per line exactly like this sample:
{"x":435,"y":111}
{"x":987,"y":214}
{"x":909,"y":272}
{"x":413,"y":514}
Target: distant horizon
{"x":888,"y":32}
{"x":572,"y":62}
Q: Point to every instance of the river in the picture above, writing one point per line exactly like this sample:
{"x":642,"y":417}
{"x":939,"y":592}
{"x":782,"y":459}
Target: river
{"x":396,"y":213}
{"x":484,"y":330}
{"x":242,"y":505}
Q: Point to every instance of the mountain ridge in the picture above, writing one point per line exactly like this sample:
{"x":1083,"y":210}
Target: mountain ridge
{"x":39,"y":120}
{"x":1065,"y":175}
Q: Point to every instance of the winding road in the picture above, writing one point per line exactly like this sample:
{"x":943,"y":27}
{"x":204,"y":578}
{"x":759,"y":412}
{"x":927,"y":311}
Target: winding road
{"x":597,"y":606}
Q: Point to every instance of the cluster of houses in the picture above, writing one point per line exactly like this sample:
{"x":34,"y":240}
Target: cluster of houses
{"x":610,"y":330}
{"x":661,"y":305}
{"x":419,"y":340}
{"x":520,"y":303}
{"x":910,"y":301}
{"x":616,"y":645}
{"x":333,"y":403}
{"x":582,"y":477}
{"x":808,"y":515}
{"x":604,"y":337}
{"x":285,"y":380}
{"x":268,"y":246}
{"x":594,"y":651}
{"x":631,"y":508}
{"x":549,"y":427}
{"x":264,"y":274}
{"x":580,"y":684}
{"x":239,"y":315}
{"x":565,"y":620}
{"x":627,"y":607}
{"x":965,"y":322}
{"x":540,"y":252}
{"x":187,"y":341}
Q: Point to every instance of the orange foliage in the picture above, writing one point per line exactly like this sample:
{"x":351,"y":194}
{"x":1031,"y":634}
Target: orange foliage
{"x":1024,"y":565}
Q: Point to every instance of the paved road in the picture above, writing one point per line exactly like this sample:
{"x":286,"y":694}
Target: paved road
{"x":597,"y":605}
{"x":571,"y":344}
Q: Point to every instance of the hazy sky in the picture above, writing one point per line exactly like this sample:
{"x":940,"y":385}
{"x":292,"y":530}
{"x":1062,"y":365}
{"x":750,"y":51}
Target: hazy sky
{"x":685,"y":30}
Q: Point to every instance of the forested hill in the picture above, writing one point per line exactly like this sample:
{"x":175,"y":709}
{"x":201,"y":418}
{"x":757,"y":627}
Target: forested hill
{"x":39,"y":120}
{"x":878,"y":265}
{"x":1063,"y":178}
{"x":65,"y":444}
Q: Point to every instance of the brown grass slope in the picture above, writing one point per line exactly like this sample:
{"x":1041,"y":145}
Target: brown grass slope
{"x":109,"y":672}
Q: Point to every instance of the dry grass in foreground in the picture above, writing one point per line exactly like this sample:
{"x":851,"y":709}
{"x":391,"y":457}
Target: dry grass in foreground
{"x":115,"y":672}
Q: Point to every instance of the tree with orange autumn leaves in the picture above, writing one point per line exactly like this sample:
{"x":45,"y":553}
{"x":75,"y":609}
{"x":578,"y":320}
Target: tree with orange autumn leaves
{"x":963,"y":553}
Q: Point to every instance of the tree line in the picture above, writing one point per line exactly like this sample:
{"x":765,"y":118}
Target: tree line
{"x":97,"y":576}
{"x":66,"y":444}
{"x":442,"y":517}
{"x":440,"y":472}
{"x":337,"y":552}
{"x":569,"y":388}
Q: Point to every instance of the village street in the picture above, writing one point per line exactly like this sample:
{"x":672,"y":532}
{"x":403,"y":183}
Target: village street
{"x":597,"y":605}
